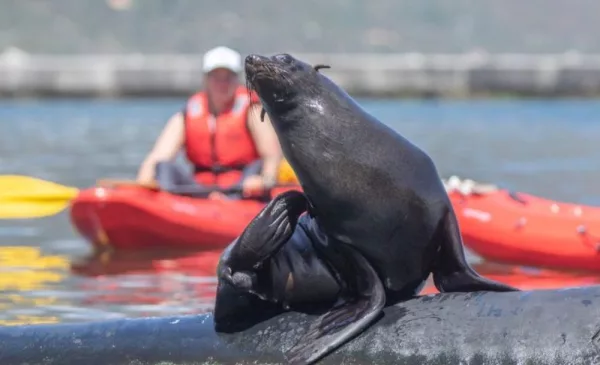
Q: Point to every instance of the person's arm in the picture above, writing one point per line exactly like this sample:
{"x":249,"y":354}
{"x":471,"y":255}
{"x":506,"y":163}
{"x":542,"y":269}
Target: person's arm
{"x":267,"y":144}
{"x":165,"y":148}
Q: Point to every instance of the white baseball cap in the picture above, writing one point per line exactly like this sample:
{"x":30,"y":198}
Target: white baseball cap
{"x":222,"y":57}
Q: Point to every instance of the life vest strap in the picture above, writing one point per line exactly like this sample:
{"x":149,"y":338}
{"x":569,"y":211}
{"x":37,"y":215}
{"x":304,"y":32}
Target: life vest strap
{"x":218,"y":169}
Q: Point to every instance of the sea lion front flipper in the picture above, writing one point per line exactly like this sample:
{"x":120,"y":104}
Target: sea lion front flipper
{"x":452,"y":272}
{"x":267,"y":232}
{"x":345,"y":320}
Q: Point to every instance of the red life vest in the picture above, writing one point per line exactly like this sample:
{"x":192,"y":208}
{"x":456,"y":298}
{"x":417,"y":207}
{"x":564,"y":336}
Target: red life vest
{"x":219,"y":147}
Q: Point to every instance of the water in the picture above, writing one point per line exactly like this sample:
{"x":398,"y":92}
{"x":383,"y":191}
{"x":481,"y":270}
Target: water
{"x":548,"y":148}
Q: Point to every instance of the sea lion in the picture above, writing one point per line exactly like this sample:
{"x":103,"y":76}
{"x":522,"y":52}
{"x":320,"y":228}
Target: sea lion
{"x":370,"y":194}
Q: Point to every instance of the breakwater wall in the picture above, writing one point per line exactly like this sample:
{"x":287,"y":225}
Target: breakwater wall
{"x":376,"y":75}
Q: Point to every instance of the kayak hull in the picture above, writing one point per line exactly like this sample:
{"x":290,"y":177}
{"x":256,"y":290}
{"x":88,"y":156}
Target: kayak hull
{"x":137,"y":218}
{"x":537,"y":327}
{"x":527,"y":230}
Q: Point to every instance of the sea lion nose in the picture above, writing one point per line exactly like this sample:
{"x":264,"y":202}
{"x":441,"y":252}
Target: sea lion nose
{"x":253,"y":59}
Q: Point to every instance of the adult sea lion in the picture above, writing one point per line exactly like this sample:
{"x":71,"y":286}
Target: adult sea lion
{"x":379,"y":222}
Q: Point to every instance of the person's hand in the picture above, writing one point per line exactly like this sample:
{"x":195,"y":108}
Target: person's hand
{"x":114,"y":183}
{"x":217,"y":195}
{"x":253,"y":186}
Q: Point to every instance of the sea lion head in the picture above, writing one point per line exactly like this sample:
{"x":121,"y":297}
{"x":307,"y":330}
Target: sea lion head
{"x":281,"y":80}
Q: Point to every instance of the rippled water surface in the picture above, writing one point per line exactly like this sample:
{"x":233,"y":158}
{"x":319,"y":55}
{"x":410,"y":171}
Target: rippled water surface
{"x":49,"y":274}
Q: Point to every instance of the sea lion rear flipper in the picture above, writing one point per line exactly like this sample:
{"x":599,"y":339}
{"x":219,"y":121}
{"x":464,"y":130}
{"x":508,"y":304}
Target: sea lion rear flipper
{"x":452,"y":272}
{"x":345,"y":320}
{"x":268,"y":231}
{"x":235,"y":310}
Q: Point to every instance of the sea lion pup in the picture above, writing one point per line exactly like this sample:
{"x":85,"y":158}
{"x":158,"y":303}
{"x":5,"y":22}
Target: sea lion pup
{"x":379,"y":219}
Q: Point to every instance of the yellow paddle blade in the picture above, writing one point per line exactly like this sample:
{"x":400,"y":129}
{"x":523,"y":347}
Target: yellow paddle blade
{"x":29,"y":197}
{"x":17,"y":187}
{"x":22,"y":209}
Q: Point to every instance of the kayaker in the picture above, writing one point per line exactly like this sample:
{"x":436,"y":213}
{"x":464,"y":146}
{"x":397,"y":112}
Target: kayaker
{"x":222,"y":135}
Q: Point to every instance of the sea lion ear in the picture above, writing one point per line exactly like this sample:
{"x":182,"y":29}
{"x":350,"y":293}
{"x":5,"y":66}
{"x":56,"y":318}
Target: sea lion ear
{"x":318,"y":67}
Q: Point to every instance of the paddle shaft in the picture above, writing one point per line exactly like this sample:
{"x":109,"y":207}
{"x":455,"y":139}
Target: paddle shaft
{"x":23,"y":197}
{"x":188,"y":190}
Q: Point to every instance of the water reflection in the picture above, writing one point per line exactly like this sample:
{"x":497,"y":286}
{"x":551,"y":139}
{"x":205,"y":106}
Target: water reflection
{"x":150,"y":282}
{"x":125,"y":284}
{"x":24,"y":272}
{"x":153,"y":282}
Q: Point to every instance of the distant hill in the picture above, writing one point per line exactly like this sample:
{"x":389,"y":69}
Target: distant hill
{"x":193,"y":26}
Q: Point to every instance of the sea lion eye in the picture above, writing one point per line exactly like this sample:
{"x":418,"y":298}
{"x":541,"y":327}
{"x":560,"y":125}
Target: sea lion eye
{"x":285,"y":58}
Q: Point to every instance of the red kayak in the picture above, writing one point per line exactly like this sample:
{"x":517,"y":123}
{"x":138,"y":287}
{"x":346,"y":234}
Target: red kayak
{"x":523,"y":229}
{"x":131,"y":217}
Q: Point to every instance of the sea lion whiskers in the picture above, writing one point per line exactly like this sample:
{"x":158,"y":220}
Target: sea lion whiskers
{"x":271,"y":71}
{"x":250,"y":88}
{"x":268,"y":71}
{"x":262,"y":114}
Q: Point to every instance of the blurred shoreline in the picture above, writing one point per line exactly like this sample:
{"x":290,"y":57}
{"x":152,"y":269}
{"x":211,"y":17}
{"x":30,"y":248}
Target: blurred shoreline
{"x":468,"y":75}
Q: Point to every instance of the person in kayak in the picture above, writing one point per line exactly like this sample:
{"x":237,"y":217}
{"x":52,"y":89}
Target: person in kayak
{"x":222,"y":135}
